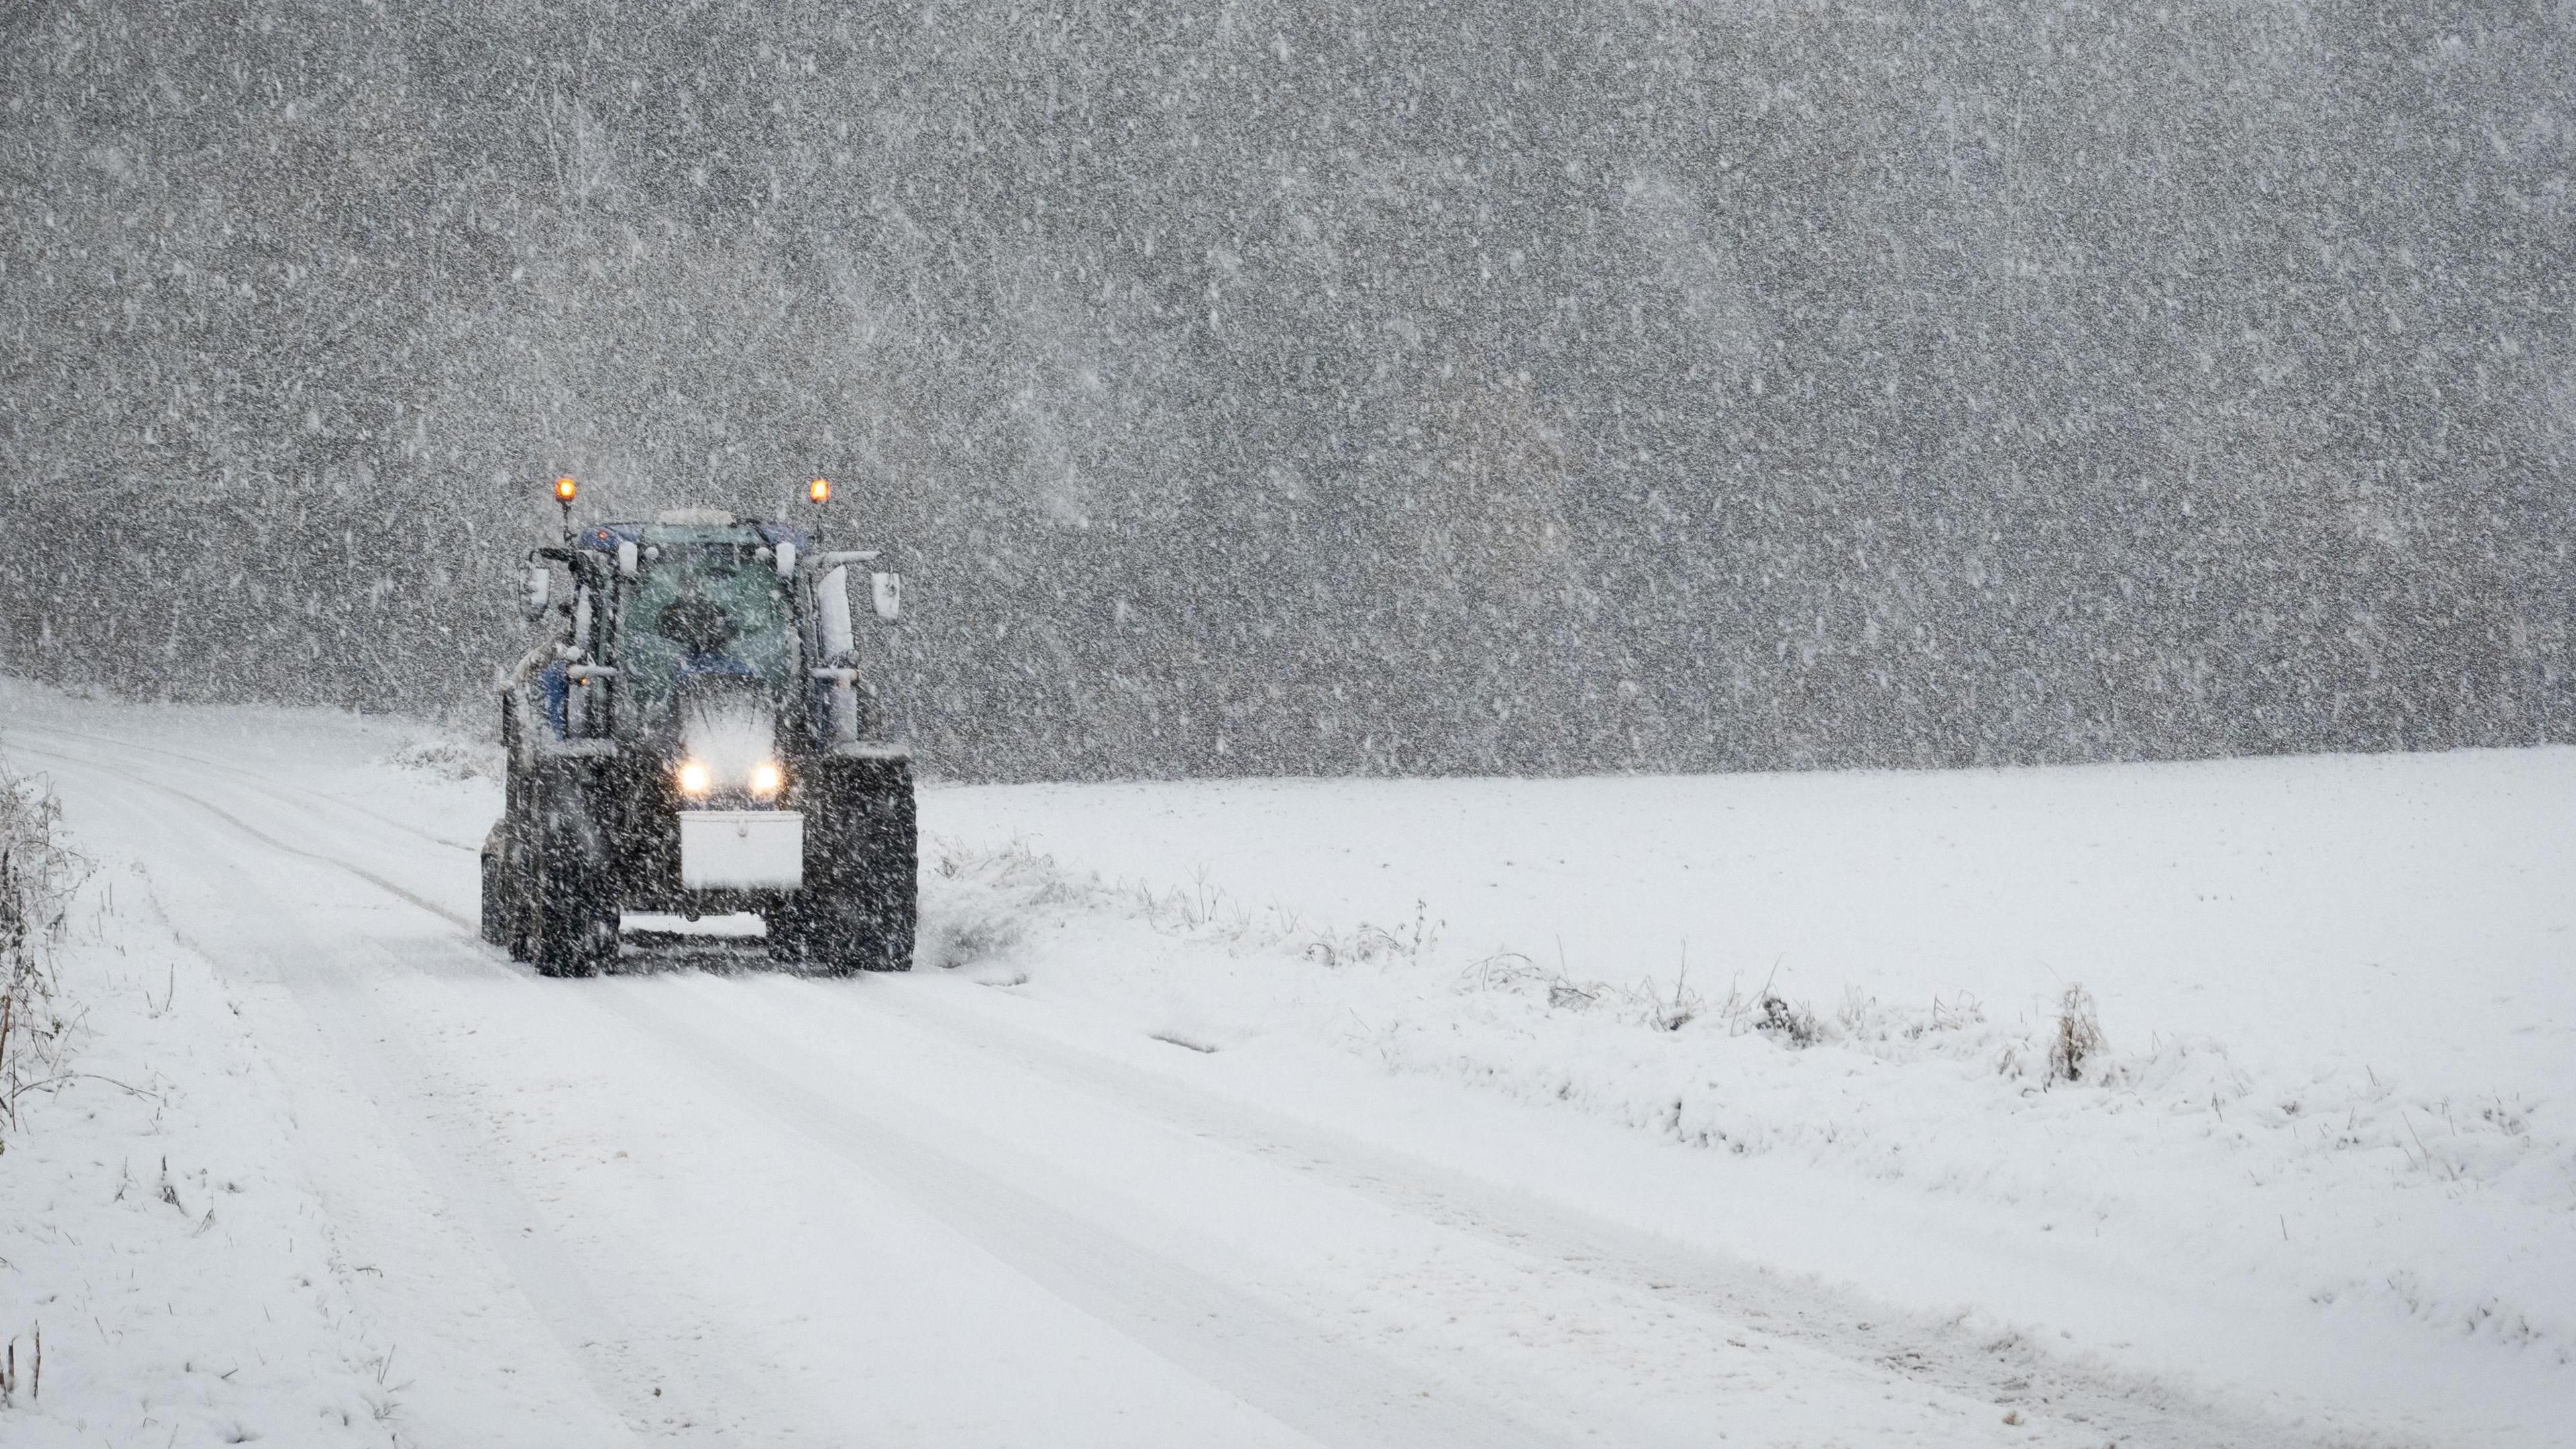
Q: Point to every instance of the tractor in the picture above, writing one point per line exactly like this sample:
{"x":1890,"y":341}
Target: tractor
{"x":697,"y":730}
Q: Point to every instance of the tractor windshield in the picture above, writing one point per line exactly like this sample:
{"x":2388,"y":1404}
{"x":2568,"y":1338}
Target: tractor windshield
{"x":699,"y":609}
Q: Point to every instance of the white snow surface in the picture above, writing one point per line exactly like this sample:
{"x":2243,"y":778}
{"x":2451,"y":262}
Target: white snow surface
{"x":1472,"y":1112}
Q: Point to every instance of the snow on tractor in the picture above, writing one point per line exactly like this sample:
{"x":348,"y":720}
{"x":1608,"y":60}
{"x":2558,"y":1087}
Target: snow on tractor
{"x":696,"y":732}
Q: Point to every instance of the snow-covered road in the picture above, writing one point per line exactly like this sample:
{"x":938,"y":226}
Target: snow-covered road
{"x":706,"y":1203}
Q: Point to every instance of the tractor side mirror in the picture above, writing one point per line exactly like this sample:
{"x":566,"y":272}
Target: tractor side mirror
{"x":888,"y":589}
{"x":540,"y":588}
{"x":786,"y":560}
{"x":626,"y":557}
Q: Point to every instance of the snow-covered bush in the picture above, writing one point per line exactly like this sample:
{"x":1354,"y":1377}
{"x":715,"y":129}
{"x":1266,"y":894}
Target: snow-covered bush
{"x":450,"y":757}
{"x":978,"y":909}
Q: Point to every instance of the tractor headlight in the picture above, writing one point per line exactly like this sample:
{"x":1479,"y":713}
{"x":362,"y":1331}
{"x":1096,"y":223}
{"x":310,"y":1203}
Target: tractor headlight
{"x":766,"y":778}
{"x":694,"y":777}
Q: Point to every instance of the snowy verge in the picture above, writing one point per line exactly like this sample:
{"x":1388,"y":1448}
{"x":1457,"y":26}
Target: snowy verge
{"x":449,"y":757}
{"x":169,"y":1275}
{"x":2342,"y":1194}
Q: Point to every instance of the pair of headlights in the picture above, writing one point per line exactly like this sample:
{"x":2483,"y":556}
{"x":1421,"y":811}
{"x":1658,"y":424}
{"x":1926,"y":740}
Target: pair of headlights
{"x":696,"y":778}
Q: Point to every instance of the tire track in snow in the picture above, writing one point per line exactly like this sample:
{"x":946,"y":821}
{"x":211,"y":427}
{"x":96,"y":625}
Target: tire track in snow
{"x":262,"y":836}
{"x":1335,"y":1393}
{"x":265,"y":782}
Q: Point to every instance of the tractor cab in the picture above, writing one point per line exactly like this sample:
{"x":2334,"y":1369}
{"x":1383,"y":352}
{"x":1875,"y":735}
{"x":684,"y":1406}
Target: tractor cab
{"x":697,"y":611}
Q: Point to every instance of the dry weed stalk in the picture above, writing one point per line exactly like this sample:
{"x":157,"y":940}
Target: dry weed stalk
{"x":37,"y":877}
{"x":2079,"y":1036}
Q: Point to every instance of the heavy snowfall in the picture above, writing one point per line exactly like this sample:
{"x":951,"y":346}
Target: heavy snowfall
{"x":1654,"y":724}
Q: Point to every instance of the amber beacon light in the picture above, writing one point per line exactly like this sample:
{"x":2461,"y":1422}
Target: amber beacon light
{"x":820,"y":490}
{"x":565,"y":490}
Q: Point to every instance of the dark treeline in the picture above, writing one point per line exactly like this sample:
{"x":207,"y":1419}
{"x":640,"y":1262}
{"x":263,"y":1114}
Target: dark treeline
{"x":1438,"y":385}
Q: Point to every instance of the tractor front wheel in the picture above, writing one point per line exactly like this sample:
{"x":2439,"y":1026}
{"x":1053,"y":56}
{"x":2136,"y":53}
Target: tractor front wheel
{"x":574,"y":915}
{"x":838,"y":932}
{"x":495,"y":920}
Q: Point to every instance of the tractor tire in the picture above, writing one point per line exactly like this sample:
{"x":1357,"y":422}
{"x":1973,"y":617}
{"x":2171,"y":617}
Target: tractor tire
{"x":861,"y":903}
{"x":495,"y":920}
{"x":841,"y":932}
{"x":510,"y":872}
{"x":800,"y":928}
{"x":574,"y":916}
{"x":517,"y":885}
{"x":785,"y":926}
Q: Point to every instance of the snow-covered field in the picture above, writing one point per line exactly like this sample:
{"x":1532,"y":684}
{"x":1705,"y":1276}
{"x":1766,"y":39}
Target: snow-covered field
{"x":1623,"y":1112}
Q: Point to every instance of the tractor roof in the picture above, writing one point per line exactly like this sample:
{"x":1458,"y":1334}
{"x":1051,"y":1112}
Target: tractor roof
{"x":693,"y":525}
